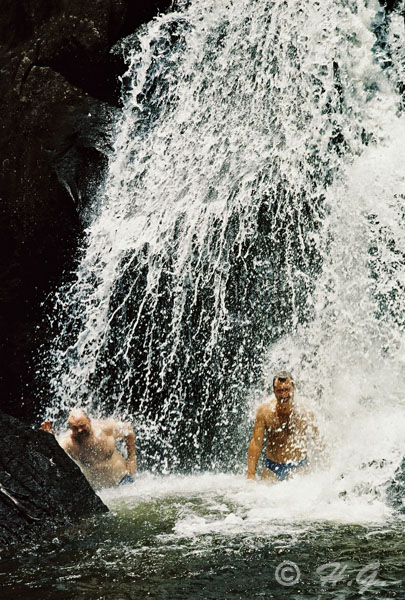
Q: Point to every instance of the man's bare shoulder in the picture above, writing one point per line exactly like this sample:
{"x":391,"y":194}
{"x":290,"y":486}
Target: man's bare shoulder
{"x":306,"y":418}
{"x":305,"y":414}
{"x":105,"y":426}
{"x":266,"y":409}
{"x":113,"y":427}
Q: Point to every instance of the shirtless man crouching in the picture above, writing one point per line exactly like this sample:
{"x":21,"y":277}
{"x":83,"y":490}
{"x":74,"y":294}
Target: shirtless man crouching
{"x":288,"y":430}
{"x":91,"y":443}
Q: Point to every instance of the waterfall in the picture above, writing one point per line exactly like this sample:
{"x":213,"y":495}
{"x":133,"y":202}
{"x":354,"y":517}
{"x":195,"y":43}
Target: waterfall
{"x":252,"y":219}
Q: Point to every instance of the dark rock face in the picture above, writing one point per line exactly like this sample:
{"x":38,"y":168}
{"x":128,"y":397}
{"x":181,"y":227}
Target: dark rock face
{"x":58,"y":89}
{"x":48,"y":486}
{"x":396,"y":488}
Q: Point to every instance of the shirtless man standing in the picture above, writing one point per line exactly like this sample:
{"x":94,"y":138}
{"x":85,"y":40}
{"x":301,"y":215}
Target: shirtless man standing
{"x":91,"y":444}
{"x":287,"y":427}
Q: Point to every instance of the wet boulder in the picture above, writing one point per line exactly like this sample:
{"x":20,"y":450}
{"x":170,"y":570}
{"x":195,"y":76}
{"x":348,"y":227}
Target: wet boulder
{"x":396,"y":488}
{"x":41,"y":488}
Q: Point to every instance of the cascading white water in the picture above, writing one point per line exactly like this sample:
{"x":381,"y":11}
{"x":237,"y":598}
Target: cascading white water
{"x":252,"y":219}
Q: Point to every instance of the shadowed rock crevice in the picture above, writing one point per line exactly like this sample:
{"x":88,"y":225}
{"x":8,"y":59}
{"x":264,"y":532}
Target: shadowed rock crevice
{"x":58,"y":87}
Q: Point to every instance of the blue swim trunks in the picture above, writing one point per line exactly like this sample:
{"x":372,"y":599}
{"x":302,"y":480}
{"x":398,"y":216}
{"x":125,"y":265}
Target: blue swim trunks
{"x":126,"y":479}
{"x":282,"y":470}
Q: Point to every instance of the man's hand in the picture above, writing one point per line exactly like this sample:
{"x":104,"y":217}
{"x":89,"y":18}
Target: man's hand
{"x":46,"y":426}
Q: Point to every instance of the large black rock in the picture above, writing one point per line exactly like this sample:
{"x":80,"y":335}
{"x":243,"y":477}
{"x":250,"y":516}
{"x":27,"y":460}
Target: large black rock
{"x":49,"y":487}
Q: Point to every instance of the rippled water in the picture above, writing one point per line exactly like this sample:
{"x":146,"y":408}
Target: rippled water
{"x":218,"y":536}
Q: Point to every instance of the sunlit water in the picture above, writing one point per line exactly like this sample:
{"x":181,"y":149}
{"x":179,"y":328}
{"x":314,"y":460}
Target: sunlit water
{"x":252,"y":219}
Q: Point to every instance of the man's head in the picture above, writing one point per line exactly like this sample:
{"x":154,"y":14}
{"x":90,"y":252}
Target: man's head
{"x":283,"y":386}
{"x":79,"y":424}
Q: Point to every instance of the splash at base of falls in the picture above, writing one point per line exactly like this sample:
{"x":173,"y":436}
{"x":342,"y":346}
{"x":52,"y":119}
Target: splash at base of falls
{"x":230,"y":504}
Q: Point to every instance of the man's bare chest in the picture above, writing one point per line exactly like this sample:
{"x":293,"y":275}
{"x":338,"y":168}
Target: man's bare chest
{"x":281,"y":432}
{"x":99,"y":449}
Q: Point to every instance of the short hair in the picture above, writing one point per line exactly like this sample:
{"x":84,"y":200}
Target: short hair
{"x":282,"y":376}
{"x":76,"y":413}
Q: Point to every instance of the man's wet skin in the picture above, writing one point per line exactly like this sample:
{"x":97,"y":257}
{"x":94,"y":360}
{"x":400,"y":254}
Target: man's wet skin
{"x":92,"y":443}
{"x":287,"y":427}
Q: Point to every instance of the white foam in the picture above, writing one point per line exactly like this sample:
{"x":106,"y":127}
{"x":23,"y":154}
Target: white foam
{"x":232,"y":505}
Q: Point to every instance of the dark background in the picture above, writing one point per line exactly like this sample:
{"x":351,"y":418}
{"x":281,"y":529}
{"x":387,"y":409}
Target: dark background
{"x":58,"y":88}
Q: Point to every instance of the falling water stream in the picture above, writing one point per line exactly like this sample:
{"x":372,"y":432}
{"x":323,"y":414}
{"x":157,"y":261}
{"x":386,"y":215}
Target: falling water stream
{"x":252,"y":219}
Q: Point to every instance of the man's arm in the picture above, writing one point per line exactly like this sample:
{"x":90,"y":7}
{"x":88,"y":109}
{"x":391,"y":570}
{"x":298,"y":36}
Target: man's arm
{"x":255,"y":446}
{"x":125,"y":430}
{"x":131,"y":463}
{"x":318,"y":440}
{"x":315,"y":438}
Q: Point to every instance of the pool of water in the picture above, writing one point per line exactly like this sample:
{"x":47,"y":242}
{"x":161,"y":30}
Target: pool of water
{"x":218,"y":536}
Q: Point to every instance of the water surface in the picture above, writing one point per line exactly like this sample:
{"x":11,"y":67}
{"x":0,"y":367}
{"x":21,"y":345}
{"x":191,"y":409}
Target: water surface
{"x":218,"y":536}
